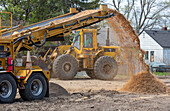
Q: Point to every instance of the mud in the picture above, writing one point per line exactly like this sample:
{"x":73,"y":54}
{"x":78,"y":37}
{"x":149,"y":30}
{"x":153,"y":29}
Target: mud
{"x":96,"y":99}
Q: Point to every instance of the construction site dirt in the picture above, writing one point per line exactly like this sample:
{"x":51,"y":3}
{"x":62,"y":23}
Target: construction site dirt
{"x":87,"y":94}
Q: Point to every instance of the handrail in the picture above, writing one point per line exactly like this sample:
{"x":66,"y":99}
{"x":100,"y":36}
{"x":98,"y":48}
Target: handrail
{"x":9,"y":27}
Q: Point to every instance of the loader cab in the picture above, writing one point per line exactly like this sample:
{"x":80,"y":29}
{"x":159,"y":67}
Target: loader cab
{"x":85,"y":40}
{"x":85,"y":47}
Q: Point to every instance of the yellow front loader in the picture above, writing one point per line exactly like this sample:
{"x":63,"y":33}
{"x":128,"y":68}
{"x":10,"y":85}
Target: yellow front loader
{"x":99,"y":62}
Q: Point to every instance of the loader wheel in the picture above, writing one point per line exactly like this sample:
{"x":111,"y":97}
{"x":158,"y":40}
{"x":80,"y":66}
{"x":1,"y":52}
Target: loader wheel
{"x":8,"y":88}
{"x":65,"y":67}
{"x":105,"y":68}
{"x":35,"y":88}
{"x":90,"y":73}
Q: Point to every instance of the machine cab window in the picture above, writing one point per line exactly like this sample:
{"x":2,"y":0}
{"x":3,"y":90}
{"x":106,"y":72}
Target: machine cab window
{"x":77,"y":40}
{"x":88,"y":40}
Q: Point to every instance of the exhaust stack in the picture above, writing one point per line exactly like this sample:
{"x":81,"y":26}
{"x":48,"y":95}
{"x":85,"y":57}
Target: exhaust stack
{"x":107,"y":40}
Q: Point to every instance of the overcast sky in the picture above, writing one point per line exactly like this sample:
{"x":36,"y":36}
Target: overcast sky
{"x":109,"y":2}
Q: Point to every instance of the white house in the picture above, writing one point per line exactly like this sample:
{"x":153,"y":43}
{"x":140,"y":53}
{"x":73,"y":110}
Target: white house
{"x":156,"y":43}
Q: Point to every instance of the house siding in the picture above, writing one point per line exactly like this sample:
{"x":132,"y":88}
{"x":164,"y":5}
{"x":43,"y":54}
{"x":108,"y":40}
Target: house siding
{"x":166,"y":56}
{"x":147,"y":43}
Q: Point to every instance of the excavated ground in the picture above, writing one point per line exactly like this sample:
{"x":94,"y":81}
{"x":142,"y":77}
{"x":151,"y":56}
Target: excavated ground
{"x":87,"y":94}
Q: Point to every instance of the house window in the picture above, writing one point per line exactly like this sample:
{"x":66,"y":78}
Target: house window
{"x":146,"y":55}
{"x":143,"y":34}
{"x":152,"y":56}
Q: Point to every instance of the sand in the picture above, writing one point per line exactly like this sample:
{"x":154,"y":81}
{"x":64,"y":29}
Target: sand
{"x":144,"y":82}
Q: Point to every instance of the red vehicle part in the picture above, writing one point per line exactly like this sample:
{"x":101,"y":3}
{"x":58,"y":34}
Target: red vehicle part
{"x":10,"y":64}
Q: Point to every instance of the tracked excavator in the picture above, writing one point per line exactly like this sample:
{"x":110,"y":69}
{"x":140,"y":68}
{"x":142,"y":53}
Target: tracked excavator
{"x":31,"y":80}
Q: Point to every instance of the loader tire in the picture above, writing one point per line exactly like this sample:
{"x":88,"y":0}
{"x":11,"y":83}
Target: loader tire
{"x":35,"y":88}
{"x":8,"y":88}
{"x":90,"y":73}
{"x":105,"y":68}
{"x":65,"y":67}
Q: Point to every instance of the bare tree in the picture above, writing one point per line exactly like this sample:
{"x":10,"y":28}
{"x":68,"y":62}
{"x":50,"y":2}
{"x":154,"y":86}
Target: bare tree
{"x":143,"y":14}
{"x":164,"y":20}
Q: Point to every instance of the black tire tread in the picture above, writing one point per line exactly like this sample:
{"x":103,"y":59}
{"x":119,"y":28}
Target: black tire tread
{"x":57,"y":67}
{"x":14,"y":88}
{"x":26,"y":94}
{"x":101,"y":60}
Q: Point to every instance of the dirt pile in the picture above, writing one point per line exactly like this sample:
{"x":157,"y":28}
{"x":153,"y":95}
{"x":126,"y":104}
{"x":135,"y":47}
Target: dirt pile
{"x":144,"y":82}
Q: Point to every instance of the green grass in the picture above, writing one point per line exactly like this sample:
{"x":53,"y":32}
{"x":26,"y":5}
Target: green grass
{"x":162,"y":73}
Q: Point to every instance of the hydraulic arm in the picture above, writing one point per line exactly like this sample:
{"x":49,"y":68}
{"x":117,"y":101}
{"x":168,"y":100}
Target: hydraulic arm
{"x":52,"y":29}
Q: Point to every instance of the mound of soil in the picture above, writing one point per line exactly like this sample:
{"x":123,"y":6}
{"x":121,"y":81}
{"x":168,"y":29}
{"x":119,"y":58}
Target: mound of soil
{"x":144,"y":82}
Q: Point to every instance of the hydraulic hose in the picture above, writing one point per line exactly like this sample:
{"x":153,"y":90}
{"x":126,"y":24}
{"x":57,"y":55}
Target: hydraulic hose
{"x":107,"y":16}
{"x":44,"y":40}
{"x":33,"y":43}
{"x":19,"y":39}
{"x":104,"y":17}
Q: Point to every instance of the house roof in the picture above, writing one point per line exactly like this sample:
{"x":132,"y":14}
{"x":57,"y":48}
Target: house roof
{"x":162,"y":37}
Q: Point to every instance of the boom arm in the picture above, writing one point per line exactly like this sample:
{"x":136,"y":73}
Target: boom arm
{"x":54,"y":29}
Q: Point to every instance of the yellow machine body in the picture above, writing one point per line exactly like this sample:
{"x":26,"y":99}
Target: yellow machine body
{"x":19,"y":38}
{"x":16,"y":39}
{"x":22,"y":73}
{"x":86,"y":54}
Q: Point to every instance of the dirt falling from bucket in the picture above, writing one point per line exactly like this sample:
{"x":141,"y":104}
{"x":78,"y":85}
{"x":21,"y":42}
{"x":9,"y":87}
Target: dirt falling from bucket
{"x":132,"y":56}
